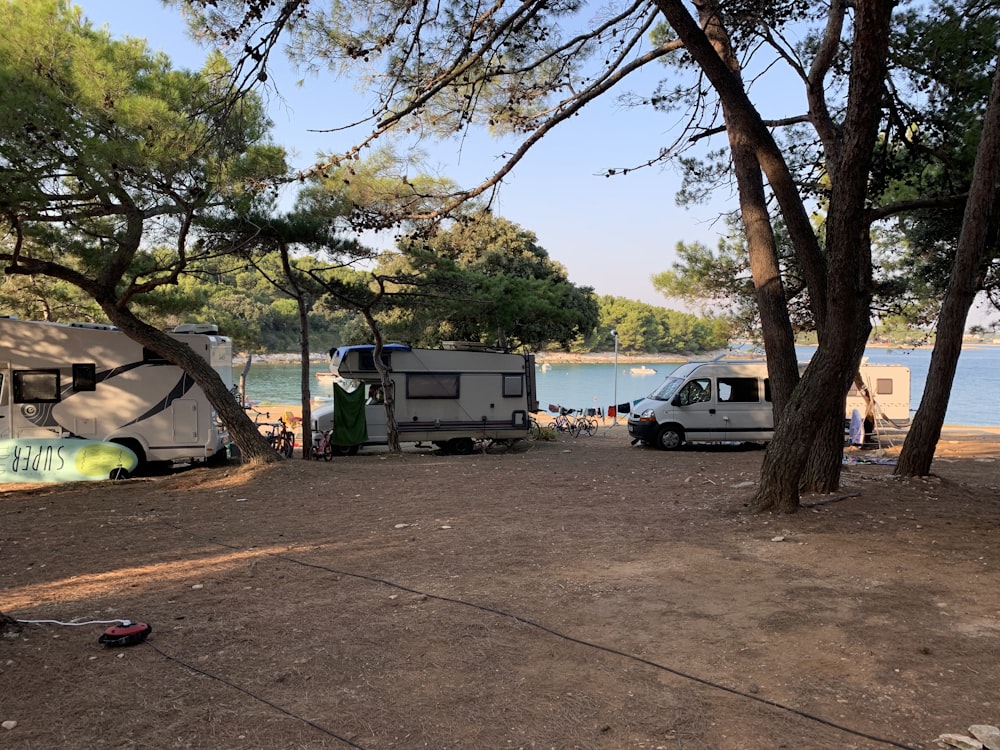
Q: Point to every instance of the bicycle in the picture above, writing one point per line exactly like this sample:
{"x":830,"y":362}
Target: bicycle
{"x":321,"y":446}
{"x":563,"y":422}
{"x":585,"y":424}
{"x":278,"y":436}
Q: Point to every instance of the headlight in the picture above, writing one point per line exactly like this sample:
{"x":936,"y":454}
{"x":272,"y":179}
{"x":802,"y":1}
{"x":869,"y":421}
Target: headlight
{"x":648,"y":416}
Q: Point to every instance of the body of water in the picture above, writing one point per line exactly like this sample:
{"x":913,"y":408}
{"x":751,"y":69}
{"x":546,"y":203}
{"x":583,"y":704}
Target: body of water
{"x":582,"y":386}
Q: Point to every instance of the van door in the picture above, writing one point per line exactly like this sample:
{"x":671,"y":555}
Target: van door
{"x":697,"y":412}
{"x":744,"y":412}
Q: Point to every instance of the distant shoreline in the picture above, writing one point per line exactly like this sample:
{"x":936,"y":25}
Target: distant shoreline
{"x":601,"y":357}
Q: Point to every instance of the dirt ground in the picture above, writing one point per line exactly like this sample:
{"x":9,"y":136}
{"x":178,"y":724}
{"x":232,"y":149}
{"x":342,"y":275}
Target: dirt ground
{"x":583,"y":593}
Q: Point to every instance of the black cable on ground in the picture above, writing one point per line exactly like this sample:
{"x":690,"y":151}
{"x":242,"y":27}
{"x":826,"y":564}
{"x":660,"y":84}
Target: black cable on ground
{"x":546,"y":629}
{"x":265,"y":701}
{"x":599,"y":647}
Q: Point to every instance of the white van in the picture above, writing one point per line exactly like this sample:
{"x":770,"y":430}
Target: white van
{"x":730,"y":401}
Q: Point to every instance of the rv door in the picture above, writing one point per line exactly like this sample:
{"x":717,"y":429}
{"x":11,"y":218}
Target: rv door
{"x":6,"y":417}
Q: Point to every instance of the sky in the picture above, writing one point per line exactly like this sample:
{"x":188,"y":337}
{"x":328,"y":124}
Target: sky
{"x":611,"y":234}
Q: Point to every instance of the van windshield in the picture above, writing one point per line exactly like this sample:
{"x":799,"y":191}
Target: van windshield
{"x":667,"y":390}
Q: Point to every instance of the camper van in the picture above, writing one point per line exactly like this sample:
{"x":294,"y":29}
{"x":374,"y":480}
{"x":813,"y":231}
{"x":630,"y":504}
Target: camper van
{"x":450,"y":397}
{"x":87,"y":380}
{"x":730,"y":401}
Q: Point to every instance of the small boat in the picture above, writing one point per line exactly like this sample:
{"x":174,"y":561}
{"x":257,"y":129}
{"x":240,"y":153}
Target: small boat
{"x":324,"y":374}
{"x":642,"y":370}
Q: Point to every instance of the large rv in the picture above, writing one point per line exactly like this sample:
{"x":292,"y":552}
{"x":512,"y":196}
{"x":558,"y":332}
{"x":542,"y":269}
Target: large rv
{"x":86,"y":380}
{"x":730,"y":401}
{"x":450,"y":397}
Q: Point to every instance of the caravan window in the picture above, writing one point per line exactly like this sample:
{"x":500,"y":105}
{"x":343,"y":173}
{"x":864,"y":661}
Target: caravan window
{"x":36,"y":386}
{"x":513,"y":386}
{"x":883,"y":386}
{"x":432,"y":385}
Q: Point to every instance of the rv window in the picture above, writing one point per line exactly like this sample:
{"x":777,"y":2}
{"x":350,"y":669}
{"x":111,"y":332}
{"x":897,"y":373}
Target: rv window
{"x":152,"y":358}
{"x":742,"y":390}
{"x":36,"y":386}
{"x":513,"y":386}
{"x":767,"y":389}
{"x":432,"y":385}
{"x":366,"y":360}
{"x":883,"y":386}
{"x":85,"y":377}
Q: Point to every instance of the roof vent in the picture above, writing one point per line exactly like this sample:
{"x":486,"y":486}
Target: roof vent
{"x":209,"y":328}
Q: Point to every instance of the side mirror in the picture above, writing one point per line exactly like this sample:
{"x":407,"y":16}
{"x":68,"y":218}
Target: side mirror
{"x":676,"y":400}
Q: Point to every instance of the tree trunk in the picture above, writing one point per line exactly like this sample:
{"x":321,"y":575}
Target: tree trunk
{"x":776,"y":327}
{"x":306,"y":378}
{"x":388,"y":386}
{"x":966,"y":277}
{"x":252,"y":445}
{"x":805,"y":453}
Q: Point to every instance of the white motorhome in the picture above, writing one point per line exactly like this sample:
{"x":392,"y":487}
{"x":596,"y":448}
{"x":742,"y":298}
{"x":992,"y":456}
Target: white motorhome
{"x":450,"y":397}
{"x":86,"y":380}
{"x":730,"y":401}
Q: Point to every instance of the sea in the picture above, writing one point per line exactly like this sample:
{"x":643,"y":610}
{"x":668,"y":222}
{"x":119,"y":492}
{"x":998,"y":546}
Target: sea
{"x":585,"y":386}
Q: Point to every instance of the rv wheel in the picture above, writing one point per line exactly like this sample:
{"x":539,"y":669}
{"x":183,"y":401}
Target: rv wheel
{"x":344,"y":450}
{"x":669,"y":438}
{"x":461,"y":446}
{"x":118,"y":474}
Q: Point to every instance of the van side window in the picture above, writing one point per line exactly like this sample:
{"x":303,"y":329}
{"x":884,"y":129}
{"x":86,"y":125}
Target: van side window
{"x":695,"y":392}
{"x":741,"y":390}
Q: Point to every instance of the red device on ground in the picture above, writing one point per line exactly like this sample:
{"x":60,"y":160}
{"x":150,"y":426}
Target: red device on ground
{"x":126,"y":634}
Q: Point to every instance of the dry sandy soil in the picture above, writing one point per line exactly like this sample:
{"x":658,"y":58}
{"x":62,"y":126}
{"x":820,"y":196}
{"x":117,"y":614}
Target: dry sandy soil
{"x":572,"y":594}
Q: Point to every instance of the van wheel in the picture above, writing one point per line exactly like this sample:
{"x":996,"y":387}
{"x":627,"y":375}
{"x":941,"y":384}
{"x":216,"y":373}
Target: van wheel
{"x":670,"y":438}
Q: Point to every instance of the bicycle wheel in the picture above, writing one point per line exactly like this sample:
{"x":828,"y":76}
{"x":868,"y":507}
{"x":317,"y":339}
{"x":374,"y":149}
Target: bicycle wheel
{"x":327,"y":449}
{"x":286,"y":444}
{"x":534,"y":429}
{"x":590,"y":427}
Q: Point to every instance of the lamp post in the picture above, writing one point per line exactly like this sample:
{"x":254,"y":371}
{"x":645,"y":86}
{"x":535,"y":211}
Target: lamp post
{"x":614,"y":332}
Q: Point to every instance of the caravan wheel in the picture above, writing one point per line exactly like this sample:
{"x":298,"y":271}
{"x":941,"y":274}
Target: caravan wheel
{"x":343,"y":450}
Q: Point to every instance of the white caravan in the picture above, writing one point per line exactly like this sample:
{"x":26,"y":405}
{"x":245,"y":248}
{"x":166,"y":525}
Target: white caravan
{"x":730,"y":401}
{"x":450,"y":397}
{"x":86,"y":380}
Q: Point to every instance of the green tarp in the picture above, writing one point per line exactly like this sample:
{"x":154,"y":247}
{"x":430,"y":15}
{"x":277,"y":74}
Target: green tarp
{"x":349,"y":425}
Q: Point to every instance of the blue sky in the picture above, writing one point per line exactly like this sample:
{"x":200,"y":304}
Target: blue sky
{"x":611,"y":233}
